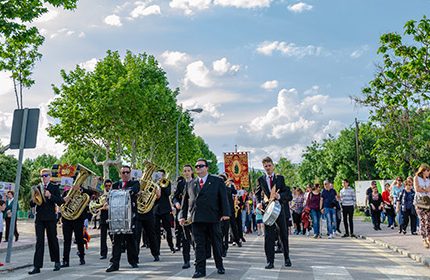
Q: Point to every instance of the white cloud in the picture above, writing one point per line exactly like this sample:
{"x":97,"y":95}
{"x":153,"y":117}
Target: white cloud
{"x":292,"y":124}
{"x":270,"y":85}
{"x":50,"y":15}
{"x":359,"y":52}
{"x":222,"y":66}
{"x":210,"y":113}
{"x":174,"y":58}
{"x":142,"y":10}
{"x":89,"y":65}
{"x":300,"y":7}
{"x":288,"y":49}
{"x":247,"y":4}
{"x":81,"y":35}
{"x":65,"y":32}
{"x":6,"y":82}
{"x":189,"y":6}
{"x":113,"y":20}
{"x":198,"y":74}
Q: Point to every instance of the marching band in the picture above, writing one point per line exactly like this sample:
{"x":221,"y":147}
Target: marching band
{"x":206,"y":212}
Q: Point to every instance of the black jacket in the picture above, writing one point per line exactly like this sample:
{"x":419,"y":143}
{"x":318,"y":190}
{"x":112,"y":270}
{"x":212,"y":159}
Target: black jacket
{"x":284,"y":191}
{"x":46,"y":211}
{"x":179,"y":192}
{"x":206,"y":205}
{"x":230,"y":192}
{"x":162,"y":205}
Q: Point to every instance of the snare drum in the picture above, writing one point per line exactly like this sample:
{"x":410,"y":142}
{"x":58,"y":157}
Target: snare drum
{"x":272,"y":213}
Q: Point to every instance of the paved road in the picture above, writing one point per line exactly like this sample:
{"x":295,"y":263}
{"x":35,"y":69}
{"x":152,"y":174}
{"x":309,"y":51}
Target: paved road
{"x":312,"y":259}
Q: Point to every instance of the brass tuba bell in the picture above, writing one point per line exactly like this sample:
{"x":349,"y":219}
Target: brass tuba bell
{"x":36,"y":195}
{"x":72,"y":209}
{"x":148,"y":189}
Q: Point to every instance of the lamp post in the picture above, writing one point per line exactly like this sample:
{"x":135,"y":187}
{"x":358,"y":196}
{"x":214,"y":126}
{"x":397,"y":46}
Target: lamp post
{"x":196,"y":110}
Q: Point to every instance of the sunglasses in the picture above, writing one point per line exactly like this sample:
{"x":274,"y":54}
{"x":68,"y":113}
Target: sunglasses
{"x":200,"y":165}
{"x":125,"y":172}
{"x":44,"y":175}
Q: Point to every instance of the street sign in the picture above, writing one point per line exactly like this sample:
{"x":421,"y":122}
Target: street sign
{"x":31,"y":128}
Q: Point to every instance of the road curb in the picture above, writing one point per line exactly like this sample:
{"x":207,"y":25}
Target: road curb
{"x":414,"y":256}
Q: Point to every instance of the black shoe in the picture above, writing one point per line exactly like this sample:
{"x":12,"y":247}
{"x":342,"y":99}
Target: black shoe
{"x":81,"y":261}
{"x":173,"y":250}
{"x":34,"y":271}
{"x":198,"y":274}
{"x":186,"y":265}
{"x":345,"y":235}
{"x":353,"y":236}
{"x":224,"y":254}
{"x":221,"y":270}
{"x":65,"y":264}
{"x":269,"y":265}
{"x":103,"y":257}
{"x":112,"y":267}
{"x":404,"y":232}
{"x":239,"y":244}
{"x":57,"y":266}
{"x":134,"y":265}
{"x":287,"y":262}
{"x":414,"y":233}
{"x":379,"y":228}
{"x":156,"y":258}
{"x":16,"y":238}
{"x":243,"y":239}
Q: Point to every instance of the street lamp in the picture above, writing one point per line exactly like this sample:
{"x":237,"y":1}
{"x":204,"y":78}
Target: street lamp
{"x":196,"y":110}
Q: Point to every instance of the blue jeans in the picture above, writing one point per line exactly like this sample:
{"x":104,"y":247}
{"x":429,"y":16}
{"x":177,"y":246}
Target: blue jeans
{"x":316,"y":215}
{"x":330,"y":216}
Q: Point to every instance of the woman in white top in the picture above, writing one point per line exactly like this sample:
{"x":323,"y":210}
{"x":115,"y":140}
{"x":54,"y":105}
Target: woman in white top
{"x":422,"y":186}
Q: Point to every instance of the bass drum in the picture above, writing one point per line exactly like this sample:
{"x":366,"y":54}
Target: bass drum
{"x":120,"y":212}
{"x":272,"y":213}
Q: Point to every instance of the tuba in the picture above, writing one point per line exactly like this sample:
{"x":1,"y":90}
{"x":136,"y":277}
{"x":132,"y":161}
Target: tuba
{"x":37,"y":196}
{"x":73,"y":209}
{"x":95,"y":205}
{"x":148,"y":189}
{"x":163,"y":183}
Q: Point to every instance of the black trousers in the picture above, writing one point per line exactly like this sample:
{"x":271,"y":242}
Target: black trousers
{"x":204,"y":233}
{"x":348,"y":215}
{"x":297,"y":219}
{"x":54,"y":248}
{"x":238,"y":221}
{"x":409,"y":214}
{"x":165,"y":221}
{"x":76,"y":227}
{"x":148,"y":226}
{"x":270,"y":235}
{"x":187,"y":240}
{"x":15,"y":233}
{"x":130,"y":244}
{"x":376,"y":218}
{"x":179,"y":231}
{"x":225,"y":227}
{"x":104,"y":227}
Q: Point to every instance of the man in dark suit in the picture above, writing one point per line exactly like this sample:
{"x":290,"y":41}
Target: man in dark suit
{"x":128,"y":239}
{"x":104,"y":226}
{"x":283,"y":194}
{"x":176,"y":201}
{"x":206,"y":201}
{"x":46,"y":219}
{"x":162,"y":211}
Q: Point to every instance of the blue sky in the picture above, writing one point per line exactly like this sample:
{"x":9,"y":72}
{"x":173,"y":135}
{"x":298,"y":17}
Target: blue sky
{"x":271,"y":75}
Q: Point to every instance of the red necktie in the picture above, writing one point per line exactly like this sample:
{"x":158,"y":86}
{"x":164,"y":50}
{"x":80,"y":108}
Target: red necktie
{"x":201,"y":183}
{"x":123,"y":185}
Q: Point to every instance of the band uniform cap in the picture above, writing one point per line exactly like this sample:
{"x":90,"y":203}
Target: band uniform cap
{"x":46,"y":170}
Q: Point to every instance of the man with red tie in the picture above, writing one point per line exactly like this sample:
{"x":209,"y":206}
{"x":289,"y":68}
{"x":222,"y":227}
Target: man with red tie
{"x":205,"y":200}
{"x":132,"y":256}
{"x":284,"y":196}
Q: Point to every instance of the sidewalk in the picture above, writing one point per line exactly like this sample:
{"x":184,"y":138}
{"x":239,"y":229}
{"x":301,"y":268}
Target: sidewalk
{"x":26,"y":242}
{"x":408,"y":245}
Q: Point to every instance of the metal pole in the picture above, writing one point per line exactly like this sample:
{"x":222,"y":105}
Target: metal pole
{"x":177,"y":146}
{"x":357,"y":143}
{"x":17,"y":183}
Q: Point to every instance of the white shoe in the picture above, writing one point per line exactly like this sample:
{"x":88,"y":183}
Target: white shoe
{"x":330,"y":236}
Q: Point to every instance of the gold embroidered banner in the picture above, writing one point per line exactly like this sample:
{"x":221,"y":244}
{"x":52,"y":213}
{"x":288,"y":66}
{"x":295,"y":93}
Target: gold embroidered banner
{"x":236,"y":167}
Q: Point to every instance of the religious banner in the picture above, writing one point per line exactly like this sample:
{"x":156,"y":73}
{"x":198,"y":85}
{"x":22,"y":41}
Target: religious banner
{"x":236,"y":167}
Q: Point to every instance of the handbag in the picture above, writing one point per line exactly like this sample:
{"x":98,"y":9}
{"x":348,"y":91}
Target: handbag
{"x":422,"y":201}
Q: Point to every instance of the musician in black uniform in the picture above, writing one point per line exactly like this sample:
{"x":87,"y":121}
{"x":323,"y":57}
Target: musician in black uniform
{"x":104,"y":225}
{"x":128,"y":239}
{"x":176,"y":201}
{"x":74,"y":226}
{"x":225,"y":225}
{"x":206,"y":201}
{"x":146,"y":223}
{"x":162,"y":211}
{"x":46,"y":219}
{"x":284,"y":196}
{"x":186,"y":236}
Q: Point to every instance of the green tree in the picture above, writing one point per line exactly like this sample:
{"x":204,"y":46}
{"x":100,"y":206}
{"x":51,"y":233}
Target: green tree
{"x":19,"y":42}
{"x":289,"y":170}
{"x":204,"y":152}
{"x":398,"y":98}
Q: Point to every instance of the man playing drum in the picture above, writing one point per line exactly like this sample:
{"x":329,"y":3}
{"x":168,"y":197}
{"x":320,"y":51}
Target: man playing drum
{"x":272,"y":187}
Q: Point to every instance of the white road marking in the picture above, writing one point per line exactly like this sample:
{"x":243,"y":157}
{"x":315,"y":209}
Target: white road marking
{"x":331,"y":273}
